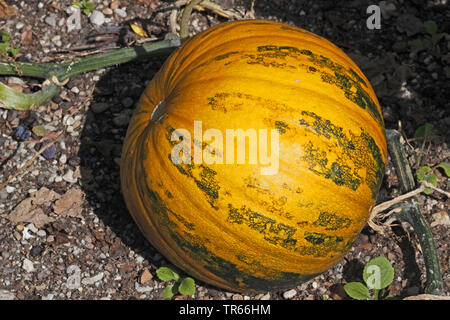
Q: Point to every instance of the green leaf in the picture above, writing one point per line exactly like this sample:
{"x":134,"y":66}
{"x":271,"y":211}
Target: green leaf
{"x":425,"y":173}
{"x":14,"y":51}
{"x":187,"y":287}
{"x":378,"y":273}
{"x":167,"y":293}
{"x":430,"y":26}
{"x":167,"y":274}
{"x":5,"y":36}
{"x":77,"y":4}
{"x":357,"y":290}
{"x":419,"y":44}
{"x":446,"y":167}
{"x":89,"y":5}
{"x":4,"y":48}
{"x":423,"y":131}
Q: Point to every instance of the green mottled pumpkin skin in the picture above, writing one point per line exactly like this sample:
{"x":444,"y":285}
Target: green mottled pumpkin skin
{"x":227,"y":224}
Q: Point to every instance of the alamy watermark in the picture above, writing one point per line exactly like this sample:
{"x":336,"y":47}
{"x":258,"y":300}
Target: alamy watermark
{"x":236,"y":151}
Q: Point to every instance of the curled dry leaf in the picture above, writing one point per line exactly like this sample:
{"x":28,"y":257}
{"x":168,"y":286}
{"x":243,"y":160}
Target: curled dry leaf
{"x":138,"y":29}
{"x":26,"y":38}
{"x":30,"y":210}
{"x":70,"y":204}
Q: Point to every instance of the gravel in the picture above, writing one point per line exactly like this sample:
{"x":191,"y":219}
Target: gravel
{"x":98,"y":252}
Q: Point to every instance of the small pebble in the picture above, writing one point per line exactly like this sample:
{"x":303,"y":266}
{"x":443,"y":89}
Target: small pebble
{"x":127,"y":102}
{"x":69,"y":177}
{"x":27,"y":265}
{"x":97,"y":17}
{"x":10,"y":189}
{"x":289,"y":294}
{"x":36,"y":251}
{"x":75,"y":90}
{"x":266,"y":296}
{"x":99,"y":107}
{"x":19,"y":26}
{"x":121,"y":13}
{"x":145,"y":276}
{"x":50,"y":20}
{"x":41,"y":233}
{"x":121,"y":120}
{"x":63,"y":159}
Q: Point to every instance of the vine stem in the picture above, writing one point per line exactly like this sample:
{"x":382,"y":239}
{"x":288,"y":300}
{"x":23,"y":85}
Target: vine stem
{"x":184,"y":24}
{"x":12,"y":99}
{"x":411,"y":213}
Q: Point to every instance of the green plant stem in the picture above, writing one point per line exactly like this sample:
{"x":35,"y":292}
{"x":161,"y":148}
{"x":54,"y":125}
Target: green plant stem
{"x":184,"y":24}
{"x":12,"y":99}
{"x":376,"y":293}
{"x":419,"y":157}
{"x":412,"y":214}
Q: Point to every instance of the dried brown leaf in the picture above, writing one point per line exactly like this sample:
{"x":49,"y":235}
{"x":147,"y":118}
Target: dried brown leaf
{"x":27,"y":212}
{"x":6,"y":11}
{"x":26,"y":38}
{"x":70,"y":204}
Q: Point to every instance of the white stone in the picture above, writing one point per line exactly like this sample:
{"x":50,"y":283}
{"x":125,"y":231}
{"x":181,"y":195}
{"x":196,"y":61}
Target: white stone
{"x":121,"y":13}
{"x":69,"y":177}
{"x":92,"y":280}
{"x":63,"y":159}
{"x":290,"y":294}
{"x":266,"y":296}
{"x":97,"y":17}
{"x":28,"y":265}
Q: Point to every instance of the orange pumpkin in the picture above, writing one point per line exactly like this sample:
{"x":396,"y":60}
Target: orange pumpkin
{"x":247,"y":225}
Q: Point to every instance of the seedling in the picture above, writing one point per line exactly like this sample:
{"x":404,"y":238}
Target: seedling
{"x":84,"y":6}
{"x":378,"y":274}
{"x":426,"y":173}
{"x":421,"y":135}
{"x":6,"y":49}
{"x":185,"y":286}
{"x":430,"y":40}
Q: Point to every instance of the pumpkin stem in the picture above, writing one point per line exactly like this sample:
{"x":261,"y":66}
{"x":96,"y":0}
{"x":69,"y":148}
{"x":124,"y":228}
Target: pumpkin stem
{"x":58,"y":73}
{"x":411,"y":213}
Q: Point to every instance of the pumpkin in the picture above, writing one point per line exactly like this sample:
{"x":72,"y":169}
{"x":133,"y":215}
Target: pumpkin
{"x":254,"y":225}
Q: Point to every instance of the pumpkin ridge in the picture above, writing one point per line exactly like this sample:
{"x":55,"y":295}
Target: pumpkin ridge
{"x":199,"y":56}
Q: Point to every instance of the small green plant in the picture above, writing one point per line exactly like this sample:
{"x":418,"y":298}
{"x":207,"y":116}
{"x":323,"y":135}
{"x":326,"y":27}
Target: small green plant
{"x":421,"y":135}
{"x":185,"y":286}
{"x":426,"y":173}
{"x":6,"y":49}
{"x":84,"y":6}
{"x":430,"y":40}
{"x":378,"y":274}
